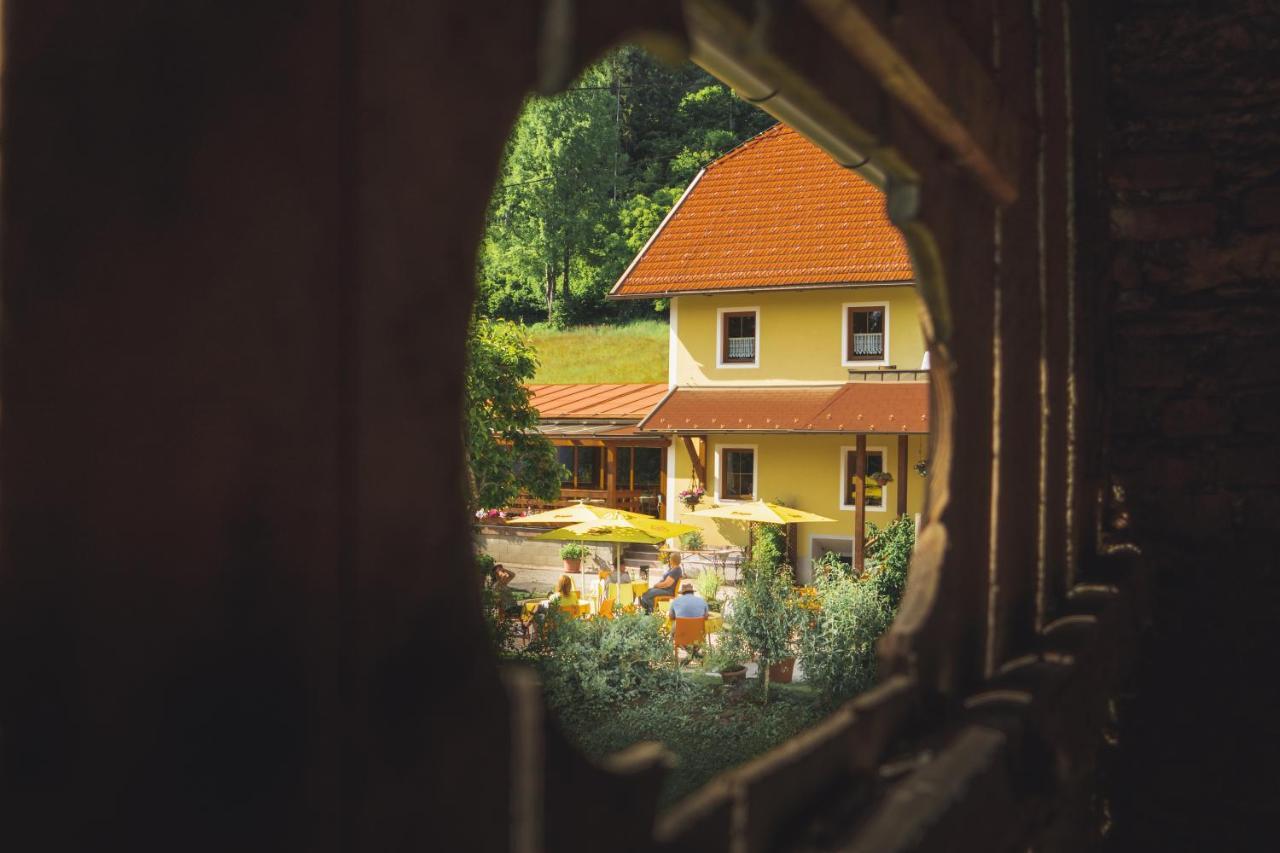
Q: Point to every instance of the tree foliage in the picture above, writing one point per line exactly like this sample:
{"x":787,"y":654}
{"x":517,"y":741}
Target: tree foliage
{"x":589,"y":174}
{"x":505,"y":453}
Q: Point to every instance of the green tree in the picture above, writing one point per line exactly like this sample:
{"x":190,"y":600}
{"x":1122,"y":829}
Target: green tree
{"x":505,"y":453}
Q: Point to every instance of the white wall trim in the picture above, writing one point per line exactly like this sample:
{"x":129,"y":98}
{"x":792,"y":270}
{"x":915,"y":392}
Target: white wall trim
{"x":755,"y":485}
{"x":844,"y":335}
{"x":720,"y":363}
{"x":883,"y":450}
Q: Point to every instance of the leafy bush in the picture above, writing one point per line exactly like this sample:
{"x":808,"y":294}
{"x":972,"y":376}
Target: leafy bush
{"x":692,"y":541}
{"x":831,"y":563}
{"x":838,"y":644}
{"x":763,"y":620}
{"x":485,"y":563}
{"x":708,"y":583}
{"x":888,"y":553}
{"x":591,"y":665}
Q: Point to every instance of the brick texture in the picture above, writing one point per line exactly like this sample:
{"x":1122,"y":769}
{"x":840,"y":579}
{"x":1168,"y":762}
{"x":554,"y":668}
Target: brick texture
{"x":1194,"y":280}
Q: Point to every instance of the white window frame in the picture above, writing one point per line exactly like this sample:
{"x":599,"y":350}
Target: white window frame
{"x":844,"y":334}
{"x":720,"y":362}
{"x":755,"y":470}
{"x":883,"y":450}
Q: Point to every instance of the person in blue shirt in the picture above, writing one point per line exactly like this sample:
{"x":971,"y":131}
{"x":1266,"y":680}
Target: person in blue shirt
{"x":688,"y":604}
{"x":667,"y":586}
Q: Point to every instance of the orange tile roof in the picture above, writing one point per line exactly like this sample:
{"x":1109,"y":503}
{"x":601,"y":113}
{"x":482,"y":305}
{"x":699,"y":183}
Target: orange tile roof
{"x":776,"y":211}
{"x":618,"y":401}
{"x":872,"y":407}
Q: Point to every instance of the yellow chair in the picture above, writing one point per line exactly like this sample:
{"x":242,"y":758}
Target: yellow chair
{"x":687,"y":631}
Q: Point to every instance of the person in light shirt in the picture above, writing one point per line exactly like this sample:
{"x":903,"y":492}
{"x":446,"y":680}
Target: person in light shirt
{"x":688,"y":604}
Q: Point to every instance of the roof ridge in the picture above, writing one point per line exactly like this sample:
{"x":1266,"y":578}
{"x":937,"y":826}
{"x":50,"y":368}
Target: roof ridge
{"x":776,"y":127}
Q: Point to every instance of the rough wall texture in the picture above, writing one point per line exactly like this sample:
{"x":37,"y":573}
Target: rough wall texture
{"x":1194,"y":185}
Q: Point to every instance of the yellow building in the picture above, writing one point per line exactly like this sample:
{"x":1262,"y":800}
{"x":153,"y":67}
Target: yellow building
{"x":796,"y":350}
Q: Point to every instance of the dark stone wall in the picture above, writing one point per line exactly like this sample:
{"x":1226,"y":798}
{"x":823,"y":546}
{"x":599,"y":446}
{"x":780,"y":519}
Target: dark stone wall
{"x":1193,"y":183}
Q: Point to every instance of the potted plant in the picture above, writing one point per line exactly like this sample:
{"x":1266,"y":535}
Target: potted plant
{"x":692,"y":541}
{"x":922,"y":467}
{"x":573,"y":554}
{"x":881,"y":478}
{"x":764,"y":621}
{"x":727,"y":659}
{"x":690,"y":496}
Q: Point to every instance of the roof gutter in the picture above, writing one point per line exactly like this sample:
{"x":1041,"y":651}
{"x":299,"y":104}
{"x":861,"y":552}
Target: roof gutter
{"x":774,"y":288}
{"x":665,"y":397}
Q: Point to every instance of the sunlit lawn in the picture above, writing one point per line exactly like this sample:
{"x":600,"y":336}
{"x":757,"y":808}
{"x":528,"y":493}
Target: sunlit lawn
{"x":636,"y":352}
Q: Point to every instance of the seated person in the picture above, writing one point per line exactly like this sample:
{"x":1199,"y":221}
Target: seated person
{"x":564,"y":591}
{"x":688,"y":604}
{"x":500,"y":580}
{"x":667,"y":586}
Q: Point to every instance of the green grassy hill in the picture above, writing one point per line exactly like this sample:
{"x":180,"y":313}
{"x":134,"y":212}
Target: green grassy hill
{"x":636,"y":352}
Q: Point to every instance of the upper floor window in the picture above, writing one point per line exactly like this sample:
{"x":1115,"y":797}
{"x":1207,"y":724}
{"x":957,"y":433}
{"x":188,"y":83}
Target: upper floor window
{"x":737,"y":473}
{"x":739,"y":334}
{"x":866,"y":333}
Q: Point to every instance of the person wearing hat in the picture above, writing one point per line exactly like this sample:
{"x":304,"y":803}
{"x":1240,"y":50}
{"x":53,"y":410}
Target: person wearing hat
{"x":688,"y":604}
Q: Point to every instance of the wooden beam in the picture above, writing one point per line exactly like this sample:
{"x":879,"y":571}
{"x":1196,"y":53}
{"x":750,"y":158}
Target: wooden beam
{"x":860,"y":504}
{"x":611,"y":475}
{"x":698,"y":459}
{"x":902,"y":475}
{"x":940,"y":82}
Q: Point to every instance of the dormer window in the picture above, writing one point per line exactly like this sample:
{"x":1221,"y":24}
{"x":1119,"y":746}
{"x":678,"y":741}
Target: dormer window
{"x":866,"y":334}
{"x":739,"y":333}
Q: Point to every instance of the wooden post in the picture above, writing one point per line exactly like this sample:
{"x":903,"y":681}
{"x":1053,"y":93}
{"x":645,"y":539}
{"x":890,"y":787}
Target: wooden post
{"x":611,"y":475}
{"x":859,"y":504}
{"x":698,"y":460}
{"x":902,"y":475}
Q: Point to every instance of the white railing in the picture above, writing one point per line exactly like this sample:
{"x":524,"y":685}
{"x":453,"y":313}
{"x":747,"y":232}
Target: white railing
{"x":742,"y":348}
{"x":868,"y":343}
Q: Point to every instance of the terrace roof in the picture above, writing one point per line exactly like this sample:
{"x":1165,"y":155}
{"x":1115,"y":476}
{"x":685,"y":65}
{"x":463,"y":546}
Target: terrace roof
{"x":868,"y":407}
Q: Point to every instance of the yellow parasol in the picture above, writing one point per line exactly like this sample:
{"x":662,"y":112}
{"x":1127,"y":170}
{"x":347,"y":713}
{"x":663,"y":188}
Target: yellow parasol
{"x":760,"y":512}
{"x":619,"y":529}
{"x":575,"y":514}
{"x":763,"y":512}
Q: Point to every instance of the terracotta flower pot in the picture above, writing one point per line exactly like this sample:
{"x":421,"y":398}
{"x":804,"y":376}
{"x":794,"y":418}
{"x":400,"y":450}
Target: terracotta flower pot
{"x":573,"y":565}
{"x":734,"y":676}
{"x":781,"y":671}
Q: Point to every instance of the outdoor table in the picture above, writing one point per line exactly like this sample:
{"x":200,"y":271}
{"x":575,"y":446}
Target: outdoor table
{"x":639,"y":587}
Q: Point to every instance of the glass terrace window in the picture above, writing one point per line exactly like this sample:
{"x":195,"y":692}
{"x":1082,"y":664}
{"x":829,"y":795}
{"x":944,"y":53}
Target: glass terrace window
{"x":874,"y":495}
{"x":738,"y":474}
{"x":738,"y":337}
{"x":866,"y":333}
{"x":639,"y":467}
{"x":584,"y":467}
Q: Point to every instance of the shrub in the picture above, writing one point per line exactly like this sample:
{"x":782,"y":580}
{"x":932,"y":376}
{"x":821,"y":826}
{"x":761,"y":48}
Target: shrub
{"x":838,"y":644}
{"x":708,"y":583}
{"x":485,"y":564}
{"x":831,"y":563}
{"x":692,"y":541}
{"x":888,"y":553}
{"x":764,"y":620}
{"x":589,"y":666}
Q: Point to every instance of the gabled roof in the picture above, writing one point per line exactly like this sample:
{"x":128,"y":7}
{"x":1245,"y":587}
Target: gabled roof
{"x":869,"y":407}
{"x":596,"y":401}
{"x":774,"y":212}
